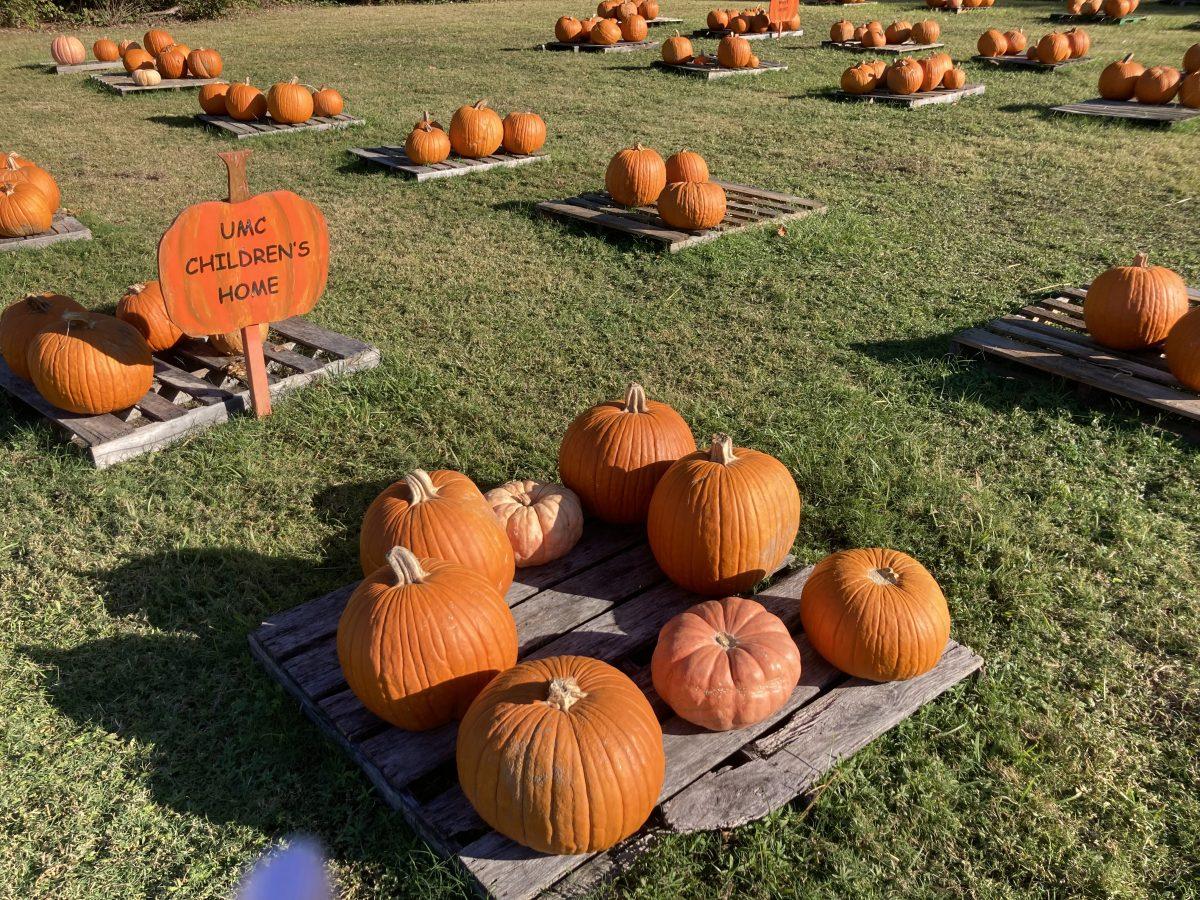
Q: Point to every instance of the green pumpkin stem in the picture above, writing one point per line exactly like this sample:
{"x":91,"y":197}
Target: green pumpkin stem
{"x":721,"y":450}
{"x":406,"y":566}
{"x":420,"y":486}
{"x":564,"y":693}
{"x":635,"y":398}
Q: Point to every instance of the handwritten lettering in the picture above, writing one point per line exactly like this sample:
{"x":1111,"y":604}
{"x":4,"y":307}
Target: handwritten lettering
{"x":239,"y":292}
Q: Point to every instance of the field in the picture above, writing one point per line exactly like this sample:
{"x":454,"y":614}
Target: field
{"x":144,"y":754}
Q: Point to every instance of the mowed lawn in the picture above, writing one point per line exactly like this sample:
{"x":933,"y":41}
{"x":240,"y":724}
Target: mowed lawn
{"x":144,"y":754}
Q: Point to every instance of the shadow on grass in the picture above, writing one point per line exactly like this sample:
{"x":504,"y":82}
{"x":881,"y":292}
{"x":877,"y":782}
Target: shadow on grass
{"x":178,"y":122}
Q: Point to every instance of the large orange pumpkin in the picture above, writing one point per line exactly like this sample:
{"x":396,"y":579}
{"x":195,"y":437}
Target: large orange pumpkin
{"x":440,"y":514}
{"x":733,"y":52}
{"x":926,"y":32}
{"x":1079,"y":41}
{"x":524,"y":133}
{"x":934,"y":69}
{"x":205,"y":63}
{"x":17,"y":169}
{"x":1053,"y":48}
{"x":1119,"y":79}
{"x":567,"y":29}
{"x":1017,"y":42}
{"x":245,"y":102}
{"x":136,"y":58}
{"x":725,"y":664}
{"x":290,"y":102}
{"x":905,"y":76}
{"x":24,"y":209}
{"x":1191,"y":59}
{"x":156,"y":40}
{"x":1133,"y":307}
{"x":171,"y":63}
{"x":606,"y":32}
{"x":562,"y":754}
{"x":106,"y":50}
{"x":676,"y":50}
{"x":1189,"y":91}
{"x":543,"y":521}
{"x":476,"y":131}
{"x":24,"y":319}
{"x":875,"y":614}
{"x":992,"y":43}
{"x":67,"y":50}
{"x":143,"y":308}
{"x":686,"y":165}
{"x":1157,"y":85}
{"x":327,"y":102}
{"x":635,"y":176}
{"x":419,"y":639}
{"x":427,"y":144}
{"x":90,"y":363}
{"x":634,"y":28}
{"x":613,"y":454}
{"x":722,"y":519}
{"x":1183,"y":350}
{"x":859,"y":79}
{"x":841,"y":31}
{"x":693,"y":205}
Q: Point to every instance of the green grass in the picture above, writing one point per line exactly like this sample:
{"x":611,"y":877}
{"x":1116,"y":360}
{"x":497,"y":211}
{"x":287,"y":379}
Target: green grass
{"x":143,"y":752}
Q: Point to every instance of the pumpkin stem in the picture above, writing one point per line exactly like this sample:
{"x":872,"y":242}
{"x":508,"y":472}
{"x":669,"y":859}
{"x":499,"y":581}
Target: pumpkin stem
{"x":39,"y":302}
{"x":420,"y":486}
{"x":7,"y":189}
{"x":481,"y":104}
{"x":564,"y":693}
{"x":886,"y":575}
{"x":75,"y":317}
{"x":1127,"y":58}
{"x":721,"y":450}
{"x":726,"y":640}
{"x":635,"y":398}
{"x":1141,"y":260}
{"x":406,"y":566}
{"x":136,"y":288}
{"x":11,"y":163}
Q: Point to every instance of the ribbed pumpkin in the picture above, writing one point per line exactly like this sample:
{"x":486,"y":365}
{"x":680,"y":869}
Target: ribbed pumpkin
{"x":563,"y":755}
{"x":1119,"y":79}
{"x":67,"y":51}
{"x":859,"y":79}
{"x":734,"y":52}
{"x":739,"y":24}
{"x":90,"y":363}
{"x":16,"y":169}
{"x":24,"y":210}
{"x":232,"y":343}
{"x":440,"y":514}
{"x":145,"y":77}
{"x":992,"y":43}
{"x":1191,"y":59}
{"x":626,"y":10}
{"x":524,"y":133}
{"x":1117,"y":9}
{"x":926,"y":32}
{"x":635,"y":176}
{"x":476,"y":130}
{"x":106,"y":50}
{"x":934,"y":69}
{"x":613,"y":454}
{"x":137,"y":59}
{"x":156,"y":40}
{"x":245,"y":102}
{"x":419,"y":639}
{"x":722,"y":519}
{"x":427,"y":143}
{"x":123,"y":46}
{"x":1017,"y":42}
{"x":875,"y":614}
{"x":1189,"y":91}
{"x":607,"y":9}
{"x":1158,"y":84}
{"x":606,"y":32}
{"x":1133,"y":307}
{"x":1079,"y":42}
{"x":898,"y":32}
{"x":725,"y":664}
{"x":954,"y":79}
{"x":143,"y":308}
{"x":567,"y":29}
{"x":634,"y":28}
{"x":676,"y":50}
{"x":717,"y":20}
{"x":692,"y":205}
{"x":212,"y":98}
{"x":1183,"y":350}
{"x":841,"y":31}
{"x":905,"y":76}
{"x":686,"y":166}
{"x":171,"y":63}
{"x":290,"y":102}
{"x":1053,"y":48}
{"x":648,"y":9}
{"x":873,"y":38}
{"x":204,"y":62}
{"x":182,"y":48}
{"x":543,"y":521}
{"x":24,"y":319}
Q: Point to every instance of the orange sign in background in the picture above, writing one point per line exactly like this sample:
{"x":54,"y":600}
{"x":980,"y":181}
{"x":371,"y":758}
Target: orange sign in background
{"x":782,"y":10}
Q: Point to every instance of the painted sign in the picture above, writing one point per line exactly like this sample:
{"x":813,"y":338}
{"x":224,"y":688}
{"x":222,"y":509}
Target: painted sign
{"x":782,"y":10}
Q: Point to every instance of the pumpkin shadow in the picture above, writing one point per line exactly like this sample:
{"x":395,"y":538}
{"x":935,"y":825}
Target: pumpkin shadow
{"x":187,"y":122}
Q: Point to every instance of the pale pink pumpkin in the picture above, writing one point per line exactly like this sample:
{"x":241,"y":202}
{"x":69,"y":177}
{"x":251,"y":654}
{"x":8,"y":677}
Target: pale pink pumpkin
{"x":543,"y":521}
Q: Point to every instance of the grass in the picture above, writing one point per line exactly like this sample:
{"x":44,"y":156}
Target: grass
{"x":144,"y":753}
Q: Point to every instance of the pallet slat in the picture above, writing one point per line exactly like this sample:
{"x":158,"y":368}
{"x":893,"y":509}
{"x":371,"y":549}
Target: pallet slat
{"x":715,"y":71}
{"x":121,"y":83}
{"x":244,"y":130}
{"x":93,"y":66}
{"x":618,"y":47}
{"x":769,"y":35}
{"x":397,"y":160}
{"x":1024,"y":62}
{"x":1129,"y":110}
{"x":891,"y":49}
{"x":912,"y":101}
{"x":62,"y":228}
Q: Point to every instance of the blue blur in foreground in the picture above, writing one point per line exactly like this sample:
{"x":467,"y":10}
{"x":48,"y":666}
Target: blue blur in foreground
{"x":295,"y":872}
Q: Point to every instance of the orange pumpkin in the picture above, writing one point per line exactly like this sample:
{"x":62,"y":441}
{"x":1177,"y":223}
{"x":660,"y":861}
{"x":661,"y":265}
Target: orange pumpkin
{"x":171,"y":63}
{"x":875,"y":614}
{"x":477,"y":131}
{"x":327,"y":102}
{"x":90,"y":363}
{"x":1189,"y":91}
{"x":725,"y":664}
{"x":543,"y":521}
{"x":1119,"y":79}
{"x":1079,"y":42}
{"x":1117,"y":9}
{"x":686,"y":166}
{"x":1017,"y":42}
{"x":212,"y":98}
{"x":676,"y":50}
{"x":873,"y":38}
{"x":635,"y":176}
{"x":898,"y":32}
{"x":905,"y":76}
{"x":137,"y":59}
{"x":245,"y":102}
{"x":419,"y":639}
{"x":427,"y":144}
{"x":992,"y":43}
{"x":934,"y":69}
{"x":24,"y":210}
{"x":926,"y":32}
{"x":734,"y":52}
{"x":1133,"y":307}
{"x":16,"y":169}
{"x":567,"y":29}
{"x":562,"y":754}
{"x":143,"y":308}
{"x":634,"y":28}
{"x":606,"y":32}
{"x":723,"y":519}
{"x":24,"y":319}
{"x":1158,"y":84}
{"x":290,"y":102}
{"x":440,"y":514}
{"x":524,"y":133}
{"x":608,"y":8}
{"x":1191,"y":59}
{"x":859,"y":79}
{"x":156,"y":40}
{"x":739,"y":25}
{"x":1053,"y":48}
{"x":693,"y":205}
{"x":648,"y":10}
{"x":718,"y":20}
{"x":205,"y":63}
{"x":1183,"y":350}
{"x":106,"y":50}
{"x":67,"y":51}
{"x":231,"y":343}
{"x":954,"y":79}
{"x":841,"y":31}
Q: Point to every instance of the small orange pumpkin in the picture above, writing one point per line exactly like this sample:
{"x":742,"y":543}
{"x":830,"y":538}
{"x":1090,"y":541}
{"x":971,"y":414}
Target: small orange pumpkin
{"x":686,"y":166}
{"x":90,"y":364}
{"x":676,"y":50}
{"x":567,"y":29}
{"x":137,"y":59}
{"x":692,"y":205}
{"x":212,"y":98}
{"x":524,"y":133}
{"x":427,"y":144}
{"x":1189,"y":91}
{"x":24,"y":319}
{"x":717,"y":20}
{"x":477,"y":131}
{"x":106,"y":50}
{"x":1133,"y":307}
{"x":1053,"y":48}
{"x":873,"y":38}
{"x":1191,"y":59}
{"x":205,"y":63}
{"x":635,"y":176}
{"x":734,"y":52}
{"x":1017,"y":42}
{"x":648,"y":10}
{"x":543,"y":521}
{"x":327,"y":102}
{"x":898,"y":32}
{"x":992,"y":43}
{"x":606,"y":32}
{"x":231,"y":343}
{"x":290,"y":102}
{"x":171,"y":63}
{"x":859,"y":79}
{"x":926,"y":32}
{"x":143,"y":308}
{"x":245,"y":102}
{"x":954,"y":79}
{"x":1079,"y":42}
{"x":1158,"y":85}
{"x":16,"y":169}
{"x":841,"y":31}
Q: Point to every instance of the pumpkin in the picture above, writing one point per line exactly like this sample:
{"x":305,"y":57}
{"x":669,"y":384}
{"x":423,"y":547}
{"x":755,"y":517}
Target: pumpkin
{"x":1158,"y":84}
{"x":144,"y":309}
{"x":725,"y":664}
{"x":524,"y":133}
{"x":567,"y":29}
{"x":718,"y":20}
{"x":898,"y":32}
{"x":543,"y":521}
{"x":290,"y":102}
{"x":1183,"y":349}
{"x":146,"y":77}
{"x":477,"y":131}
{"x":739,"y":25}
{"x":875,"y":614}
{"x":15,"y":169}
{"x":171,"y":63}
{"x":24,"y":209}
{"x":926,"y":32}
{"x":880,"y":69}
{"x":123,"y":46}
{"x":137,"y":59}
{"x":1074,"y":7}
{"x":792,"y":24}
{"x":859,"y":79}
{"x":608,"y":8}
{"x":692,"y":205}
{"x":212,"y":98}
{"x":635,"y":176}
{"x":1091,"y":7}
{"x":734,"y":52}
{"x":1117,"y":9}
{"x":1133,"y":307}
{"x":992,"y":43}
{"x":905,"y":76}
{"x":1119,"y":79}
{"x":954,"y":4}
{"x":90,"y":364}
{"x":1032,"y":52}
{"x":954,"y":79}
{"x":427,"y":144}
{"x":606,"y":32}
{"x":859,"y":31}
{"x":841,"y":31}
{"x":1053,"y":48}
{"x":562,"y":754}
{"x":873,"y":38}
{"x":182,"y":48}
{"x":676,"y":50}
{"x":686,"y":166}
{"x":724,"y":518}
{"x":758,"y":23}
{"x":613,"y":454}
{"x":67,"y":51}
{"x":1079,"y":42}
{"x":627,"y":9}
{"x":24,"y":319}
{"x":634,"y":28}
{"x":419,"y":639}
{"x":1191,"y":59}
{"x":1016,"y":41}
{"x":934,"y":69}
{"x":1189,"y":91}
{"x":232,"y":344}
{"x":205,"y":63}
{"x":106,"y":50}
{"x":156,"y":40}
{"x":440,"y":514}
{"x":648,"y":10}
{"x":245,"y":102}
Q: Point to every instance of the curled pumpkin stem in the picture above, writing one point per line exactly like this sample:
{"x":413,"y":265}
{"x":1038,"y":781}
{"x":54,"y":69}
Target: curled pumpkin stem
{"x":564,"y":693}
{"x":420,"y":486}
{"x":406,"y":566}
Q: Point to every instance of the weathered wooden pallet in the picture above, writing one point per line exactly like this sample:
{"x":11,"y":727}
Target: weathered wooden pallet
{"x":891,"y":49}
{"x":663,"y":20}
{"x":713,"y":71}
{"x":920,"y":98}
{"x":93,"y":66}
{"x":1160,"y":114}
{"x":618,"y":47}
{"x":195,"y":389}
{"x":62,"y":228}
{"x":122,"y":84}
{"x":1024,"y":62}
{"x":747,"y":207}
{"x":1099,"y":19}
{"x":397,"y":160}
{"x":244,"y":130}
{"x":1049,"y":335}
{"x":607,"y":599}
{"x":839,"y":3}
{"x":954,"y":11}
{"x":718,"y":33}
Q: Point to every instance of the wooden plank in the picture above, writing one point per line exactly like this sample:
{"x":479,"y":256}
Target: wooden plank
{"x":122,"y":84}
{"x":662,"y":20}
{"x":160,"y":409}
{"x":1079,"y":346}
{"x":244,"y":130}
{"x":197,"y":388}
{"x":87,"y":429}
{"x":891,"y":49}
{"x":920,"y":98}
{"x":1024,"y":62}
{"x":717,"y":34}
{"x":1098,"y":19}
{"x":1130,"y":110}
{"x":93,"y":66}
{"x":62,"y":228}
{"x":713,"y":71}
{"x":619,"y":47}
{"x":792,"y":760}
{"x":397,"y":160}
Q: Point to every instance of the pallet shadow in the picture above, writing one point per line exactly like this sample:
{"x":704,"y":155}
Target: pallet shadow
{"x":187,"y":122}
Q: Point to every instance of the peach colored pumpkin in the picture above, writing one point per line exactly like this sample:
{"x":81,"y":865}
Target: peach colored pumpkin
{"x":543,"y":521}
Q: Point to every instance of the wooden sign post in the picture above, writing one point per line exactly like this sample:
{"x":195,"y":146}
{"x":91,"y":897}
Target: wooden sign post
{"x":237,"y":264}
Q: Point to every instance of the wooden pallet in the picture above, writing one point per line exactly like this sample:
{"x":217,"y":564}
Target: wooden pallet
{"x":62,"y":228}
{"x":952,"y":11}
{"x":1029,"y":65}
{"x":663,"y":20}
{"x":1049,"y":335}
{"x":891,"y":49}
{"x":1164,"y":115}
{"x":713,"y":71}
{"x":194,"y":390}
{"x":718,"y":33}
{"x":618,"y":47}
{"x":122,"y":84}
{"x":607,"y":599}
{"x":93,"y":66}
{"x":747,"y":207}
{"x":244,"y":130}
{"x":1099,"y":19}
{"x":397,"y":160}
{"x":838,"y":3}
{"x":920,"y":98}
